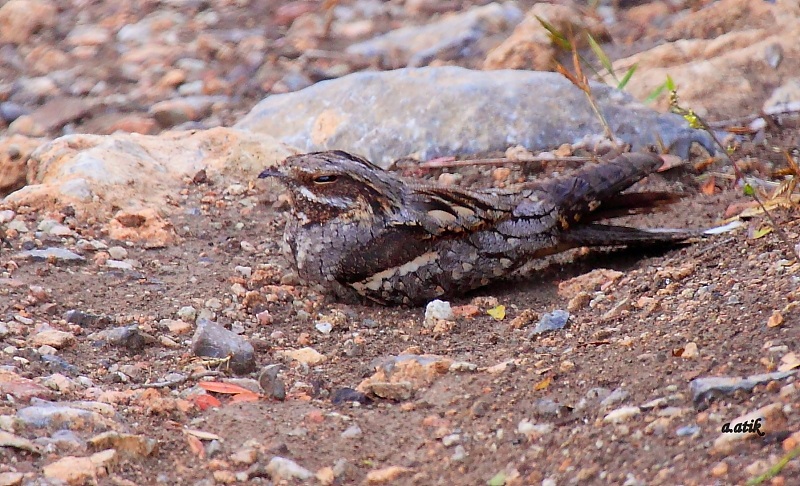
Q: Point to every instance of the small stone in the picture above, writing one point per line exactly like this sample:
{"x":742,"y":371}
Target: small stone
{"x":323,"y":327}
{"x":437,"y":310}
{"x":173,"y":112}
{"x":282,"y":469}
{"x":720,"y":469}
{"x":622,"y":414}
{"x":128,"y":337}
{"x":399,"y":391}
{"x":688,"y":430}
{"x":6,"y":216}
{"x":459,"y":453}
{"x":245,"y":456}
{"x":524,"y":319}
{"x":214,"y":341}
{"x":175,"y":326}
{"x":55,"y":254}
{"x":118,"y":253}
{"x":187,"y":313}
{"x":128,"y":446}
{"x":52,"y":337}
{"x":398,"y":377}
{"x":352,"y":432}
{"x":462,"y":366}
{"x":551,"y":321}
{"x":214,"y":304}
{"x":46,"y":350}
{"x":579,"y":301}
{"x":88,"y":35}
{"x":690,"y":351}
{"x":615,"y":397}
{"x":532,"y":430}
{"x":245,"y":272}
{"x":349,"y":395}
{"x":775,"y":320}
{"x":325,"y":476}
{"x":451,"y":439}
{"x":20,"y":19}
{"x":119,"y":265}
{"x":264,"y":318}
{"x":272,"y":385}
{"x":501,"y":367}
{"x":168,"y":342}
{"x":83,"y":319}
{"x":702,"y":388}
{"x":20,"y":388}
{"x":80,"y":470}
{"x":598,"y":279}
{"x":386,"y":475}
{"x":60,"y":230}
{"x":307,"y":355}
{"x":223,"y":476}
{"x":566,"y":366}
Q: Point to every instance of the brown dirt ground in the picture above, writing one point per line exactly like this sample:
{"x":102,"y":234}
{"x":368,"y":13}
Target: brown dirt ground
{"x":633,"y":349}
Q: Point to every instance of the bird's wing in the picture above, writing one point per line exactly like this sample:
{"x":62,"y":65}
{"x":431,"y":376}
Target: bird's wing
{"x":446,"y":212}
{"x":428,"y":215}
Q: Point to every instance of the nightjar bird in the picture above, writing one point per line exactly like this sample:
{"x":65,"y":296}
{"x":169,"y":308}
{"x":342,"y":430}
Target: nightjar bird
{"x":357,"y":230}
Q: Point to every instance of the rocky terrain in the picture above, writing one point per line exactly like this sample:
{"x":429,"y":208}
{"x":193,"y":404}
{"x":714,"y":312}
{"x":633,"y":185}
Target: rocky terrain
{"x":152,"y":331}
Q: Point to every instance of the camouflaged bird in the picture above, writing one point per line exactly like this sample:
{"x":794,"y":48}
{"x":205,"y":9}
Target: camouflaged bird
{"x":358,"y":230}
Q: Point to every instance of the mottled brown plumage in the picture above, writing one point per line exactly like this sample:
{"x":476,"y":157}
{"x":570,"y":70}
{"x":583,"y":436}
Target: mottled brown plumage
{"x":356,"y":229}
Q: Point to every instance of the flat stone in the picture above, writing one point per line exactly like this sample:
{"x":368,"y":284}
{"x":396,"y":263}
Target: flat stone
{"x":280,"y":468}
{"x":703,"y":388}
{"x":128,"y":446}
{"x":44,"y":414}
{"x":80,"y":470}
{"x":129,"y":337}
{"x":58,"y":254}
{"x":10,"y":440}
{"x":214,"y":341}
{"x":22,"y":389}
{"x":307,"y":355}
{"x":53,"y":337}
{"x":621,"y":414}
{"x":552,"y":321}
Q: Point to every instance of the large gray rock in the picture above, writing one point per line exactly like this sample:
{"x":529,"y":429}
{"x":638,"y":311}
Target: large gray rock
{"x":437,"y":111}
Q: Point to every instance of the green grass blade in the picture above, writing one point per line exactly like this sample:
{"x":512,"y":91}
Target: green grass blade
{"x":670,"y":84}
{"x":601,"y":56}
{"x":656,"y":93}
{"x":628,"y":74}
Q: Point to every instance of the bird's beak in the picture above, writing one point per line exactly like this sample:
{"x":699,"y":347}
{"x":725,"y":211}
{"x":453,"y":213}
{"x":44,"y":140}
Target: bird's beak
{"x":271,"y":172}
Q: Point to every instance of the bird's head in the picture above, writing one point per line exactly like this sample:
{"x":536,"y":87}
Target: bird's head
{"x":335,"y":184}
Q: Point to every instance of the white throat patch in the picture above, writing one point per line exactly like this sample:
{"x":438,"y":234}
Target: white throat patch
{"x":339,"y":202}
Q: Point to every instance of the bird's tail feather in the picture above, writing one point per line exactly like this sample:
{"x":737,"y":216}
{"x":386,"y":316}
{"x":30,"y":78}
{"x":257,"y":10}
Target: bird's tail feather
{"x":610,"y":235}
{"x":597,"y":189}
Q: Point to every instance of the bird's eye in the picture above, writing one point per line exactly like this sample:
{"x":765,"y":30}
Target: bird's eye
{"x":325,"y":179}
